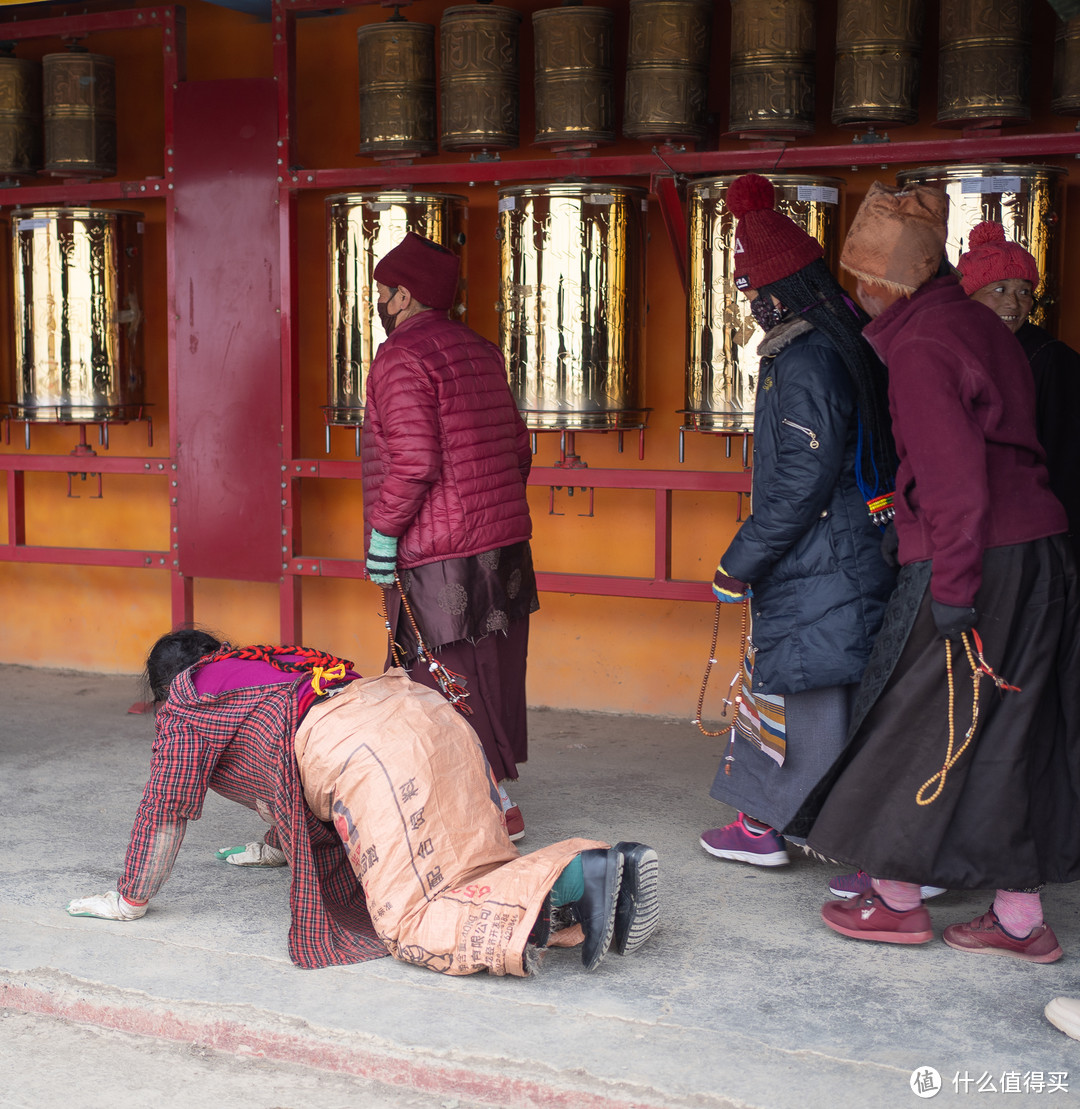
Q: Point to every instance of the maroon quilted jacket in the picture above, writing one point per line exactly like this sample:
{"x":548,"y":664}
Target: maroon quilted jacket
{"x":445,"y":451}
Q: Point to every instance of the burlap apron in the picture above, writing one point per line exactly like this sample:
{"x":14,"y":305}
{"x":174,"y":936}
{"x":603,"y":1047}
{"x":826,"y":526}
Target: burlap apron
{"x":404,"y":779}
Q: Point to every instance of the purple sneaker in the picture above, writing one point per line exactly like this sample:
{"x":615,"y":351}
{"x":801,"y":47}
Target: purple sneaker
{"x":737,"y":842}
{"x":858,"y":885}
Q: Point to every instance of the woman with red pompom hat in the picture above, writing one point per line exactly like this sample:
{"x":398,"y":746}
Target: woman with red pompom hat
{"x":1004,"y":276}
{"x":809,"y":555}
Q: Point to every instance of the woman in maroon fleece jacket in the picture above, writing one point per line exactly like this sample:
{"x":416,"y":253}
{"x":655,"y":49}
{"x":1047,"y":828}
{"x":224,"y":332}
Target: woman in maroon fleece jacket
{"x":949,"y":781}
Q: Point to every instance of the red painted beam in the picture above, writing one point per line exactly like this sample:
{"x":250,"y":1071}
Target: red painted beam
{"x":82,"y":464}
{"x":772,"y":158}
{"x":14,"y":29}
{"x":86,"y":556}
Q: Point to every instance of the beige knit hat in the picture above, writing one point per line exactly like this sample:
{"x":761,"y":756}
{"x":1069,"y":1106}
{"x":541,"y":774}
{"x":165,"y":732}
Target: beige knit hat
{"x":897,"y":238}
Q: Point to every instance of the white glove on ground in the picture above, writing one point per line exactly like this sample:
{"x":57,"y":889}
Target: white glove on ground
{"x":107,"y":906}
{"x":252,"y":854}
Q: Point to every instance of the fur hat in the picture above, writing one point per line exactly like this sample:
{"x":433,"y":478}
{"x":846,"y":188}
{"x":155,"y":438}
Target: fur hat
{"x":768,"y":245}
{"x":427,"y":270}
{"x":991,"y":257}
{"x":897,"y":238}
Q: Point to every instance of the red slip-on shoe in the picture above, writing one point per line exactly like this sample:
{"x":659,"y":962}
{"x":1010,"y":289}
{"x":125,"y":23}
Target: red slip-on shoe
{"x":985,"y":936}
{"x":869,"y":918}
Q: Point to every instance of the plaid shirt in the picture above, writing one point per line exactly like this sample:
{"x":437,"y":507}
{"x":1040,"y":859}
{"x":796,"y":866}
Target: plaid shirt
{"x":239,"y":744}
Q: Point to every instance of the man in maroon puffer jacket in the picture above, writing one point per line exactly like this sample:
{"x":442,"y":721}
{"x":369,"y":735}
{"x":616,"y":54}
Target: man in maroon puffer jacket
{"x":445,"y":460}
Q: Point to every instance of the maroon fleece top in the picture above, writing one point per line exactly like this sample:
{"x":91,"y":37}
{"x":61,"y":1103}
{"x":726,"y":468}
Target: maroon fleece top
{"x":971,"y":471}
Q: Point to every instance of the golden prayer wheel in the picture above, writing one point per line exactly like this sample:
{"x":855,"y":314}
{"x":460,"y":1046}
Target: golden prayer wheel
{"x":77,"y":316}
{"x":573,"y":79}
{"x":572,"y":303}
{"x":79,"y":107}
{"x":1066,"y":95}
{"x":397,"y":88}
{"x":361,"y":229}
{"x":667,"y":69}
{"x":722,"y":334}
{"x":984,"y":61}
{"x":1025,"y":200}
{"x":479,"y":77}
{"x":772,"y":67}
{"x":878,"y":48}
{"x":20,"y":113}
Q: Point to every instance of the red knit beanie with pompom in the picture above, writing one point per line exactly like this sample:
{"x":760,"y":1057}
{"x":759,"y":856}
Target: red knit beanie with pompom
{"x":991,"y":257}
{"x":768,"y":245}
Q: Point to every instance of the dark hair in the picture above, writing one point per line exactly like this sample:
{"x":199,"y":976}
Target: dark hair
{"x":815,"y":294}
{"x":172,"y":654}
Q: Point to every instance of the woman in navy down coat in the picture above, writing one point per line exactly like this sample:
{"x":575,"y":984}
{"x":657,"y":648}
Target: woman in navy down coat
{"x":809,"y":556}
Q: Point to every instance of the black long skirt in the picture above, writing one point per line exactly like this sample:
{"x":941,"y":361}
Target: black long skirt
{"x":1007,"y":815}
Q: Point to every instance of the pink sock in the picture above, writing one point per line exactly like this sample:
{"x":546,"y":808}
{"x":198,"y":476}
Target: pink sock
{"x":900,"y":896}
{"x":1018,"y":913}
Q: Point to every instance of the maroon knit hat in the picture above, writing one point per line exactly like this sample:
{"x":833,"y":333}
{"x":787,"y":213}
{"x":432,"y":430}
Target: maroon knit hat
{"x":427,"y":270}
{"x":768,"y":245}
{"x":991,"y":257}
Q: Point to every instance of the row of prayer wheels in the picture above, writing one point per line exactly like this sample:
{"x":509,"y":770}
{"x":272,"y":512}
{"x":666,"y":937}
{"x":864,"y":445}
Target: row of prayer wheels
{"x":571,"y":294}
{"x":58,"y":115}
{"x":984,"y":71}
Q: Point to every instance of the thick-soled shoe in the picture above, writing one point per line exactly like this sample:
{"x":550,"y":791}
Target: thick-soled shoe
{"x":515,"y":823}
{"x":735,"y":841}
{"x":869,"y":918}
{"x":985,"y":936}
{"x":858,"y":884}
{"x":595,"y":910}
{"x":1064,"y":1013}
{"x":637,"y":911}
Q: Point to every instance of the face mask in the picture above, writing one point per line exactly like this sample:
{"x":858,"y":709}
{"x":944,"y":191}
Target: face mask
{"x":388,"y":321}
{"x":767,"y":314}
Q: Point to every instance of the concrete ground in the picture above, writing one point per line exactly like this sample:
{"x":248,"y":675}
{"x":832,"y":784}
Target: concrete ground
{"x":742,"y":998}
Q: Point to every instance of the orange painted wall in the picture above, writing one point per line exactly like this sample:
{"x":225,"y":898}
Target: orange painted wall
{"x":586,"y":652}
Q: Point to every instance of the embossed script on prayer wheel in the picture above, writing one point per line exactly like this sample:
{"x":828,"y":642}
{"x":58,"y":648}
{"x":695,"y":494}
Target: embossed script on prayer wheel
{"x":20,"y":113}
{"x":1066,"y":95}
{"x":397,"y":88}
{"x":79,"y":98}
{"x":78,"y":335}
{"x":878,"y":43}
{"x":361,"y":229}
{"x":1025,"y":200}
{"x":984,"y":61}
{"x":722,"y":334}
{"x":772,"y":66}
{"x":573,"y":79}
{"x":667,"y":69}
{"x":479,"y":77}
{"x":572,"y":303}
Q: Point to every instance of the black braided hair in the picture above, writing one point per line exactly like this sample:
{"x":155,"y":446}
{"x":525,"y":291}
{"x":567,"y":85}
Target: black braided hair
{"x":172,"y":654}
{"x":815,"y":294}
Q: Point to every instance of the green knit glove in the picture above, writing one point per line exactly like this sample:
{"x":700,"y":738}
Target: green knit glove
{"x":382,"y":558}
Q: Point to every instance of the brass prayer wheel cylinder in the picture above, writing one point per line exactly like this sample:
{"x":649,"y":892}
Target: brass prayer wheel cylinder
{"x":397,"y":88}
{"x":984,"y":61}
{"x":722,"y":334}
{"x":772,"y":67}
{"x":573,"y":81}
{"x":1025,"y":200}
{"x":479,"y":77}
{"x":1066,"y":94}
{"x":572,"y":303}
{"x":77,"y":284}
{"x":878,"y":47}
{"x":667,"y":69}
{"x":79,"y":107}
{"x":20,"y":113}
{"x":361,"y":229}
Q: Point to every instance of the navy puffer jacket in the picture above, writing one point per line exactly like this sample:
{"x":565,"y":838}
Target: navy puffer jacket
{"x":445,"y":451}
{"x":809,"y":549}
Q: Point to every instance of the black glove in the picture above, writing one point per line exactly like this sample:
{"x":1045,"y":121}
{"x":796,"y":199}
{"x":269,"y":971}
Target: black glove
{"x":952,"y":622}
{"x":890,"y":546}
